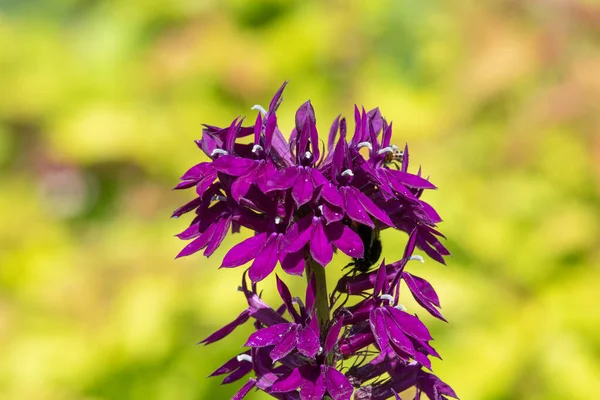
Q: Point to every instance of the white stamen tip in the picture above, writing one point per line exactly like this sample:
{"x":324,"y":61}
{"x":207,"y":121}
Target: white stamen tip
{"x":387,"y":297}
{"x":416,"y":258}
{"x":217,"y":197}
{"x":364,"y":144}
{"x":259,"y":108}
{"x":244,"y":357}
{"x":348,"y":172}
{"x":256,"y":148}
{"x":308,"y":154}
{"x":320,"y":349}
{"x":388,"y":149}
{"x":277,"y":220}
{"x":218,"y":151}
{"x":394,"y":147}
{"x":321,"y":208}
{"x":401,"y":307}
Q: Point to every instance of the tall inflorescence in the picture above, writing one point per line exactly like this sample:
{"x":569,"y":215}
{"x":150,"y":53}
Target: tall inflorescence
{"x":302,"y":205}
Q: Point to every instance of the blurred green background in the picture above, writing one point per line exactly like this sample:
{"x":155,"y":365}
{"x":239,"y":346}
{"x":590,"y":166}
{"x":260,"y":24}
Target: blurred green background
{"x":101,"y":100}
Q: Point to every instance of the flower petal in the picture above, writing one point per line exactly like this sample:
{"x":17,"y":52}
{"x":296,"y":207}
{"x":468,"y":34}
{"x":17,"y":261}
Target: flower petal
{"x":221,"y":229}
{"x":286,"y":345}
{"x":298,"y":235}
{"x":354,"y":208}
{"x":289,"y":382}
{"x":320,"y":246}
{"x":199,"y":243}
{"x":268,"y":336}
{"x":244,"y":390}
{"x":265,"y":261}
{"x":232,"y":165}
{"x":245,"y":251}
{"x":308,"y":342}
{"x":283,"y":180}
{"x":286,"y":296}
{"x":338,"y":386}
{"x":227,"y":329}
{"x":345,"y":239}
{"x":423,"y":293}
{"x":332,"y":335}
{"x":292,"y":263}
{"x":372,"y":208}
{"x":377,"y":323}
{"x":303,"y":190}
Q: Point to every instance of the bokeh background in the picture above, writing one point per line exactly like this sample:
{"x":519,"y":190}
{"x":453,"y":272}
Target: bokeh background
{"x":101,"y":100}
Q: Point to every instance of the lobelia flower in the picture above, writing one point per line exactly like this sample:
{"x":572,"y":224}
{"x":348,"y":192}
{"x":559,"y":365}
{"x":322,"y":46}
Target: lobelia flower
{"x":302,"y":205}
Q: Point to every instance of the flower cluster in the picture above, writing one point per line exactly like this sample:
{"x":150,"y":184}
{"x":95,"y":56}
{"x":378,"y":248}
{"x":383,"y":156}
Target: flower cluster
{"x":303,"y":204}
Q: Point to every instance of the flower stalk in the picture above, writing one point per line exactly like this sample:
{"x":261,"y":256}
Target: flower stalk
{"x":322,"y":296}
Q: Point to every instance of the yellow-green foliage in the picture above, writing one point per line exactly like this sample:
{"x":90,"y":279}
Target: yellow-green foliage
{"x":99,"y":104}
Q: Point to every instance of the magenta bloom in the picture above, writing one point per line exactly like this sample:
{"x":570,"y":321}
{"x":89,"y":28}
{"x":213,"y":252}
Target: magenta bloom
{"x":302,"y":204}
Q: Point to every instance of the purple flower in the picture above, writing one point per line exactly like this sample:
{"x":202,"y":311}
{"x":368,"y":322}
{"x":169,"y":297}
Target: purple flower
{"x":301,"y":205}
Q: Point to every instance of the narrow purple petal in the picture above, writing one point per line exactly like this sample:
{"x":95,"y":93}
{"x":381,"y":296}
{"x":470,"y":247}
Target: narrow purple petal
{"x":232,"y":165}
{"x":332,"y":213}
{"x":338,"y":386}
{"x":289,"y":382}
{"x":269,"y":131}
{"x":423,"y":293}
{"x":244,"y":390}
{"x":186,"y":208}
{"x":239,"y":373}
{"x":332,"y":335}
{"x":286,"y":345}
{"x":199,"y":243}
{"x":245,"y":251}
{"x":405,"y":159}
{"x":397,"y":336}
{"x":227,"y":329}
{"x":298,"y":235}
{"x":303,"y":189}
{"x":313,"y":389}
{"x":230,"y":366}
{"x":410,"y":179}
{"x":410,"y":324}
{"x":320,"y":246}
{"x":345,"y":239}
{"x":381,"y":280}
{"x":286,"y":296}
{"x":241,"y":186}
{"x":265,"y":261}
{"x":308,"y":342}
{"x":354,"y":209}
{"x":433,"y":386}
{"x":284,"y":180}
{"x":220,"y":231}
{"x":372,"y":208}
{"x":332,"y":134}
{"x":332,"y":195}
{"x":277,"y":98}
{"x":269,"y":336}
{"x":292,"y":263}
{"x":377,"y":323}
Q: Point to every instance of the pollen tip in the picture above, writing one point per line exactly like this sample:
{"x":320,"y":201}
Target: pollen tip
{"x":387,"y":297}
{"x":218,"y":151}
{"x":244,"y":357}
{"x":417,"y":258}
{"x":259,"y":108}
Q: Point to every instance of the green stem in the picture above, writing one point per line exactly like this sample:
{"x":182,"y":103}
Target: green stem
{"x":321,"y":296}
